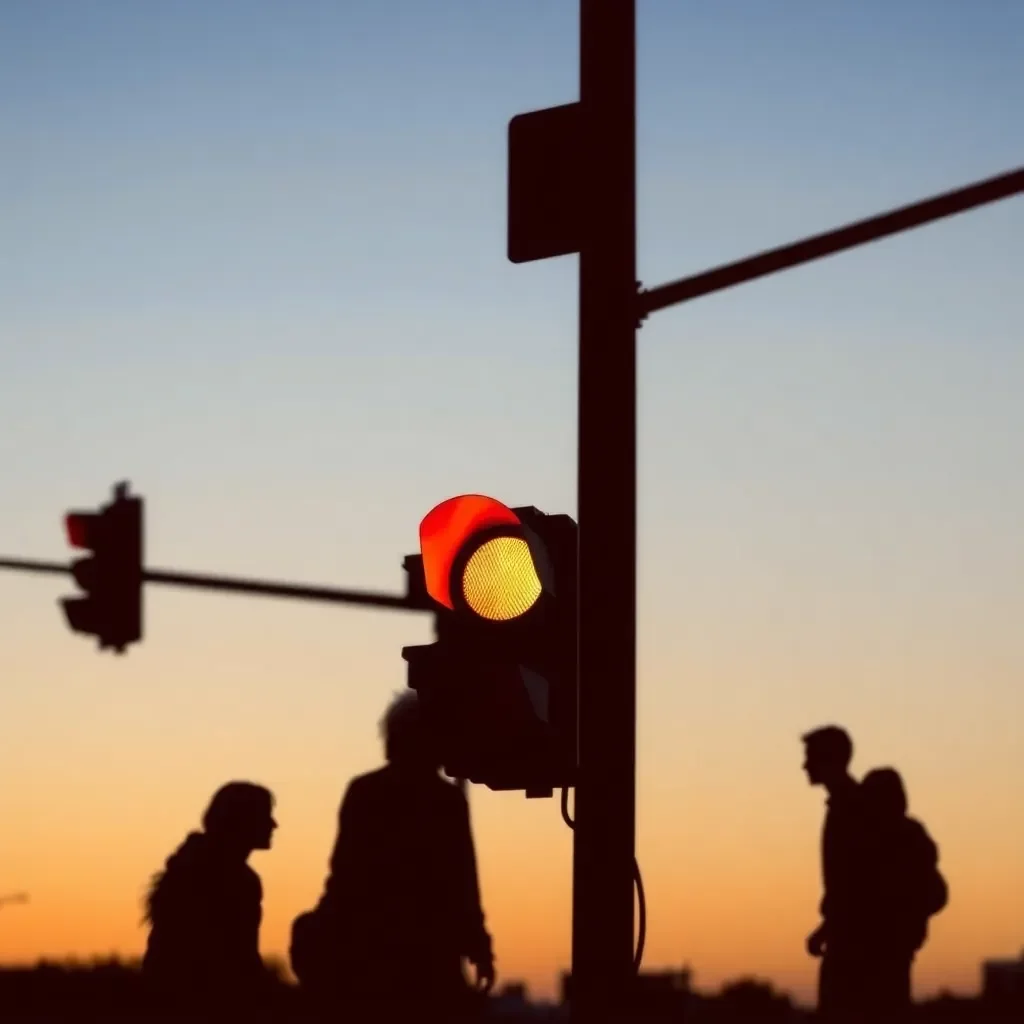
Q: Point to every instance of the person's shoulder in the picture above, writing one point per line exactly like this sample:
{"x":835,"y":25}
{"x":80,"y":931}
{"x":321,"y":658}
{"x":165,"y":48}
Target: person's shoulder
{"x":918,"y":834}
{"x":370,"y":778}
{"x":368,"y":781}
{"x":253,"y":882}
{"x":363,"y":791}
{"x":846,"y":796}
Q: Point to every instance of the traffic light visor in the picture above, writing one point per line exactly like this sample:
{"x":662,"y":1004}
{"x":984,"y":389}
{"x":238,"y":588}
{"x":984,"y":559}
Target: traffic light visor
{"x":444,"y":532}
{"x":499,"y":581}
{"x":81,"y":529}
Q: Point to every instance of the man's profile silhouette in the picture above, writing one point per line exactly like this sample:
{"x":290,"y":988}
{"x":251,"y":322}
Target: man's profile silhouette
{"x":205,"y":909}
{"x":838,"y":939}
{"x":402,"y":899}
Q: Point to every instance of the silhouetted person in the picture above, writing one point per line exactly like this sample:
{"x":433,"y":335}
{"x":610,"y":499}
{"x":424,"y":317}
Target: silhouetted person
{"x":839,"y":940}
{"x":402,"y":898}
{"x":904,"y":888}
{"x":205,"y":908}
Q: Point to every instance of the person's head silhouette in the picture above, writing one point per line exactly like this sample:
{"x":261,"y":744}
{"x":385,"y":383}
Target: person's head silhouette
{"x":884,"y":795}
{"x":828,"y":752}
{"x":407,"y":741}
{"x":240,"y":818}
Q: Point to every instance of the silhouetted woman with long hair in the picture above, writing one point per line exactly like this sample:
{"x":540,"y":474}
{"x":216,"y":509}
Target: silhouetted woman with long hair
{"x":904,"y":888}
{"x":204,"y":910}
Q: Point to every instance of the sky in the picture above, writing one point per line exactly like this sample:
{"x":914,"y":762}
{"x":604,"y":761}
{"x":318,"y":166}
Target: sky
{"x":252,"y":259}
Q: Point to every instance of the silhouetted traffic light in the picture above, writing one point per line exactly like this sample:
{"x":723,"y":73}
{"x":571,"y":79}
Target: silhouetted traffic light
{"x":111,"y":608}
{"x":499,"y":684}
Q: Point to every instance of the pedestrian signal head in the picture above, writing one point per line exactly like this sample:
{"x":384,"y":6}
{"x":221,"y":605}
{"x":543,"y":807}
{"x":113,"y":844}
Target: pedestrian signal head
{"x":476,"y":557}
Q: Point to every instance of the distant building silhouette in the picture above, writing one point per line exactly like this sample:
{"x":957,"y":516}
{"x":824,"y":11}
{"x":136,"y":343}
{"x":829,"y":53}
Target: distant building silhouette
{"x":657,"y":995}
{"x":512,"y":1003}
{"x":514,"y":992}
{"x":1003,"y":983}
{"x":750,"y":1000}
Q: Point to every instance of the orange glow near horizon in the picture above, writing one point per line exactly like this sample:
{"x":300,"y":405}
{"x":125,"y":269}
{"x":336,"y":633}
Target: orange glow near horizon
{"x":110,"y":762}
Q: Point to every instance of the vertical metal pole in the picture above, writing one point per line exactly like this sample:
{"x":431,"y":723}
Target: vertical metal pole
{"x":602,"y":946}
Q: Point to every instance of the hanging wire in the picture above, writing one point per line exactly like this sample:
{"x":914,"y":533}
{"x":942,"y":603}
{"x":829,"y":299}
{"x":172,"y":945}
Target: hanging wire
{"x":638,"y":881}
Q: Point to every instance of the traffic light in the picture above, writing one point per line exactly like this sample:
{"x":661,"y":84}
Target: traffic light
{"x":498,"y":686}
{"x":111,"y":608}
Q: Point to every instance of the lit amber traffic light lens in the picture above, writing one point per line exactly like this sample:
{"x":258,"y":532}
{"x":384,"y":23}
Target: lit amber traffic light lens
{"x":499,"y":581}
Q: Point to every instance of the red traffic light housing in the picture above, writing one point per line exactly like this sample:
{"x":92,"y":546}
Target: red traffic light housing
{"x":111,"y":606}
{"x":481,"y":558}
{"x":499,"y":685}
{"x":444,"y":531}
{"x":81,"y":528}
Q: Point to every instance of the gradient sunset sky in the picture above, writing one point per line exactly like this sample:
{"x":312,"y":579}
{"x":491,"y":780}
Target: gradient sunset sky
{"x":252,"y":258}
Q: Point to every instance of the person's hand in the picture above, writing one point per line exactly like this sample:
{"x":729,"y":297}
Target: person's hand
{"x":816,"y":941}
{"x":484,"y":976}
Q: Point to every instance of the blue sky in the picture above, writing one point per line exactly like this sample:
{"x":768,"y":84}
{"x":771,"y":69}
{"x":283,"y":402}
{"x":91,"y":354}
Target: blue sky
{"x":253,"y":258}
{"x":263,"y":235}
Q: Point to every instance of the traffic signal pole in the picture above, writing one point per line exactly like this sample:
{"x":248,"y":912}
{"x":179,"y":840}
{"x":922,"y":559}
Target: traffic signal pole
{"x":604,"y":832}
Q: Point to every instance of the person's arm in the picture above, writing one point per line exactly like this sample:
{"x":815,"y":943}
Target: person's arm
{"x":476,"y":941}
{"x":347,"y":871}
{"x":239,"y":973}
{"x":251,"y":950}
{"x":925,"y":878}
{"x":838,"y":868}
{"x":827,"y":898}
{"x":846,"y":851}
{"x":342,"y":853}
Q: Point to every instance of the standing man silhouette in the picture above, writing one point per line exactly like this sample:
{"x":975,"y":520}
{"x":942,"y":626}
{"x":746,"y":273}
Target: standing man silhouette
{"x":837,"y":939}
{"x":402,"y":900}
